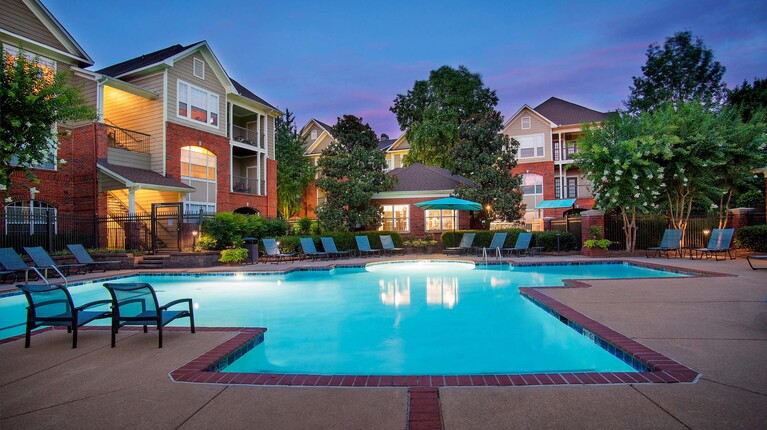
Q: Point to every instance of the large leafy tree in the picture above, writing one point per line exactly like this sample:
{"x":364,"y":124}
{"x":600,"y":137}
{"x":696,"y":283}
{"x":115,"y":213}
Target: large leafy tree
{"x":451,"y":122}
{"x":623,"y":164}
{"x":682,"y":70}
{"x":294,"y":171}
{"x":32,"y":99}
{"x":748,"y":98}
{"x":351,"y":171}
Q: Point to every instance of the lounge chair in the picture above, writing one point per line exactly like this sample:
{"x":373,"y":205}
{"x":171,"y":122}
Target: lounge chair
{"x":718,"y":244}
{"x":522,"y":245}
{"x":307,"y":245}
{"x":12,"y":263}
{"x":496,"y":243}
{"x":5,"y":275}
{"x":136,"y":304}
{"x":388,"y":245}
{"x":363,"y":246}
{"x":756,"y":257}
{"x":671,"y":242}
{"x":44,"y":261}
{"x":273,"y":251}
{"x":329,"y":245}
{"x":82,"y":256}
{"x":466,"y":240}
{"x":52,"y":305}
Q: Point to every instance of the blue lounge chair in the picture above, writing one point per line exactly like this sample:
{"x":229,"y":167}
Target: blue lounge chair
{"x":273,"y":251}
{"x":522,"y":245}
{"x":466,"y":241}
{"x":82,"y":256}
{"x":52,"y":305}
{"x":136,"y":304}
{"x":307,"y":245}
{"x":388,"y":245}
{"x":363,"y":246}
{"x":44,"y":261}
{"x":495,"y":244}
{"x":12,"y":264}
{"x":329,"y":245}
{"x":718,"y":244}
{"x":671,"y":242}
{"x":756,"y":257}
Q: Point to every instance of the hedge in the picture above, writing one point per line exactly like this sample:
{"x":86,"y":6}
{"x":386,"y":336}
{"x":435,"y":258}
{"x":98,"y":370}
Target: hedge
{"x":753,"y":238}
{"x":344,"y":240}
{"x":545,"y":239}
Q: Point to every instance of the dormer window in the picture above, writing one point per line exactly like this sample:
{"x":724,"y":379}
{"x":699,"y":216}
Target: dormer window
{"x":199,"y":68}
{"x":314,"y":134}
{"x":197,"y":104}
{"x":525,"y":123}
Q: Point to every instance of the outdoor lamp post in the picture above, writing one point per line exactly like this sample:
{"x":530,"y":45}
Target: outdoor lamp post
{"x":194,"y":239}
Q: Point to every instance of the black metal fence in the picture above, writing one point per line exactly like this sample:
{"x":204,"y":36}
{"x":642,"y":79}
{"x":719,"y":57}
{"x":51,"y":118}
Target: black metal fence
{"x":571,"y":225}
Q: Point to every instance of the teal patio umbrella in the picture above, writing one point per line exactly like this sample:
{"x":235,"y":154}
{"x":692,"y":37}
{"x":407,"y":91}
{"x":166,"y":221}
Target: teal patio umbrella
{"x":450,"y":203}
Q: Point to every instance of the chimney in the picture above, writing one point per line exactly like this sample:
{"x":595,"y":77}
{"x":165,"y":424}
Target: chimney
{"x":384,"y":136}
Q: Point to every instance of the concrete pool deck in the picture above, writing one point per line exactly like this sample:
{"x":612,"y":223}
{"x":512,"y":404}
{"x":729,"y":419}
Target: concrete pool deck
{"x":715,"y":325}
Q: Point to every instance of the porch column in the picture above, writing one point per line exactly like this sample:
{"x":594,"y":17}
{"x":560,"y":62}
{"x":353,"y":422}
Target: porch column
{"x":131,"y":201}
{"x":258,"y":129}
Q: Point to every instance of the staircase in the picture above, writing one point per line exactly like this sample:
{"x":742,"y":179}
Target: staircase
{"x":156,"y":261}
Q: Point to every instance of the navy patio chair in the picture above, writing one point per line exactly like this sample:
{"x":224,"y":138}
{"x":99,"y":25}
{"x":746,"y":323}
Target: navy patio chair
{"x":83,"y":257}
{"x":720,"y":242}
{"x":310,"y":250}
{"x":44,"y":261}
{"x":496,"y":245}
{"x":466,"y":241}
{"x":522,"y":245}
{"x":329,"y":245}
{"x":388,"y":245}
{"x":671,"y":242}
{"x":363,"y":246}
{"x":136,"y":304}
{"x":756,"y":257}
{"x":52,"y":305}
{"x":273,"y":251}
{"x":13,"y":265}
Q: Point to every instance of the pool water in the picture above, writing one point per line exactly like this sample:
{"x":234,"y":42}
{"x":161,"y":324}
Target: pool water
{"x":388,"y":319}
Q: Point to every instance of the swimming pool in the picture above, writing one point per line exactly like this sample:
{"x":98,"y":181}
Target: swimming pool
{"x":387,"y":319}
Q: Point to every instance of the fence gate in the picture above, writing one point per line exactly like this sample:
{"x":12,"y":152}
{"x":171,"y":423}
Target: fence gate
{"x":167,"y":219}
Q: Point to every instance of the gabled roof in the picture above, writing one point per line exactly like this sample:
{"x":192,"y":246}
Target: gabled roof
{"x":145,"y":60}
{"x":248,"y":94}
{"x":418,"y":177}
{"x":563,"y":112}
{"x":384,"y":145}
{"x":319,"y":123}
{"x":148,"y":179}
{"x":400,"y":144}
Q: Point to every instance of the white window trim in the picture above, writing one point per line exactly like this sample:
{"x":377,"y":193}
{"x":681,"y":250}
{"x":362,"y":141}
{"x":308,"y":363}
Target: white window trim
{"x":528,"y":120}
{"x":542,"y":145}
{"x":202,"y":67}
{"x":441,"y":218}
{"x":314,"y":135}
{"x":31,"y":209}
{"x":189,"y":104}
{"x":214,"y":182}
{"x":407,"y":230}
{"x":534,"y":185}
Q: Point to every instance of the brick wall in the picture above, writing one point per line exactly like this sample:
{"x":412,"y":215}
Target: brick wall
{"x":418,"y":217}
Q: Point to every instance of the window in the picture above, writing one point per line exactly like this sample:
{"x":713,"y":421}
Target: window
{"x":532,"y":184}
{"x":396,"y":218}
{"x":197,"y":104}
{"x":29,"y":216}
{"x":530,"y":146}
{"x":198,"y":170}
{"x":322,"y":197}
{"x":441,"y":220}
{"x":571,"y":188}
{"x":199,"y":68}
{"x":525,"y":122}
{"x":314,"y":134}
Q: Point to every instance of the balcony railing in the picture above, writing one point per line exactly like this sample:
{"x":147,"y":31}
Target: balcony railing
{"x":569,"y":151}
{"x":242,"y":134}
{"x":245,"y":185}
{"x":127,"y":139}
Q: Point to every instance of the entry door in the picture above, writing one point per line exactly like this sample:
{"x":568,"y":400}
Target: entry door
{"x":167,"y":221}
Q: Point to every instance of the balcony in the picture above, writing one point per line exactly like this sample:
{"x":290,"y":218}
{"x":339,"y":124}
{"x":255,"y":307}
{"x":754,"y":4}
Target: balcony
{"x":250,"y":137}
{"x":128,"y":140}
{"x":568,"y":151}
{"x":247,"y":185}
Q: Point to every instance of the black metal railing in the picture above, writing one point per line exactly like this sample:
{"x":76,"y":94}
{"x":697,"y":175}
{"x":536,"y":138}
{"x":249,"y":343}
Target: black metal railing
{"x":127,"y":139}
{"x":245,"y":185}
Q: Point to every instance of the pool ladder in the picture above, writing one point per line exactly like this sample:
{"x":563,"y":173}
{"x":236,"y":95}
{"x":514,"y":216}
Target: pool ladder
{"x":498,"y":255}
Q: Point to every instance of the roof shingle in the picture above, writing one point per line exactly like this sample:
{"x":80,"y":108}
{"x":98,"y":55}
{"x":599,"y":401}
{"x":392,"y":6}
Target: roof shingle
{"x":418,"y":177}
{"x":143,"y":60}
{"x":142,"y":176}
{"x":562,"y":112}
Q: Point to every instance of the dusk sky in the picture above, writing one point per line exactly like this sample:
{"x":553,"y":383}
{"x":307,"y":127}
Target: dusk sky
{"x":325,"y":59}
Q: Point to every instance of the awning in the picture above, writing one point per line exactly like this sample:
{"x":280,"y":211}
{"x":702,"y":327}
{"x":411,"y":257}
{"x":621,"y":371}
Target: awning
{"x":556,"y":204}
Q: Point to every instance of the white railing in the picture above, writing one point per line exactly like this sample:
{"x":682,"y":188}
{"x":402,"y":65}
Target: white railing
{"x":251,"y":137}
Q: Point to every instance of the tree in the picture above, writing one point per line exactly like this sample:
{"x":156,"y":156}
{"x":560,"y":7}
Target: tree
{"x":682,"y":71}
{"x":749,"y":98}
{"x":621,"y":161}
{"x":351,"y":171}
{"x":33,"y":99}
{"x":451,"y":122}
{"x":294,"y":171}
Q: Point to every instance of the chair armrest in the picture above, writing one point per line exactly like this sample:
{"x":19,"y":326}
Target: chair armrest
{"x":92,"y":304}
{"x":175,"y":302}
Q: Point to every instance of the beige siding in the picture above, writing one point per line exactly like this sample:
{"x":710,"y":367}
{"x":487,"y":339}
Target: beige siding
{"x":308,"y":132}
{"x":122,"y":157}
{"x":270,"y":137}
{"x":323,"y":143}
{"x":107,"y":183}
{"x":145,"y":198}
{"x":136,"y":113}
{"x":17,"y":18}
{"x":537,"y":126}
{"x":88,"y":90}
{"x":183,"y":70}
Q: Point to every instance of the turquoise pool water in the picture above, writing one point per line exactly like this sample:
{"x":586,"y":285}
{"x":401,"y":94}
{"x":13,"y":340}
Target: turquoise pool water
{"x":387,"y":319}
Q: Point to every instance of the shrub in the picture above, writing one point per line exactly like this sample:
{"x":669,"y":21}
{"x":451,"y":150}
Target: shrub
{"x":233,"y":255}
{"x":753,"y":238}
{"x":227,"y":229}
{"x":345,"y":241}
{"x":482,"y":238}
{"x":548,"y":240}
{"x":206,"y":242}
{"x":304,"y":226}
{"x":750,"y":199}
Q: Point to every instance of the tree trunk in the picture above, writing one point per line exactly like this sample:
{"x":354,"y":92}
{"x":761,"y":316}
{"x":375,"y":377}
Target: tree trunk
{"x":630,"y":228}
